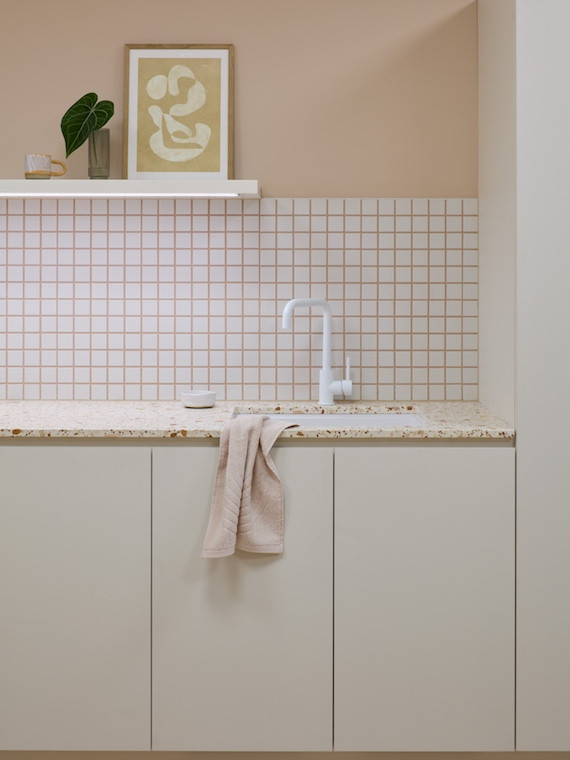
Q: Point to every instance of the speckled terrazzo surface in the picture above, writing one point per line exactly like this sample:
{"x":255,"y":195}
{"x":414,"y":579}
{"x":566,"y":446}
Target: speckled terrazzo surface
{"x":169,"y":419}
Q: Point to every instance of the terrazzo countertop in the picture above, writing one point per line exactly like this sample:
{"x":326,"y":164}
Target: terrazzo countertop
{"x":169,"y":419}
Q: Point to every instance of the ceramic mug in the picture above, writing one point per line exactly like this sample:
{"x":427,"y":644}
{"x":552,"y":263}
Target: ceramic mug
{"x":39,"y":166}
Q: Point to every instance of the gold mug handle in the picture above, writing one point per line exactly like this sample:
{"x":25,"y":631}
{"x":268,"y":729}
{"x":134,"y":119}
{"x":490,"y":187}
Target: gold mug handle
{"x":63,"y":168}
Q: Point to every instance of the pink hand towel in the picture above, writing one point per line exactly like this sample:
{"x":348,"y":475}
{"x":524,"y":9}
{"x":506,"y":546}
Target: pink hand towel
{"x":247,"y":507}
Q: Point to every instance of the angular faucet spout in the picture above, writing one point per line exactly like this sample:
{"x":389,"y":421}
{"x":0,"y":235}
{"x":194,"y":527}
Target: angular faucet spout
{"x":327,"y":322}
{"x":328,"y":386}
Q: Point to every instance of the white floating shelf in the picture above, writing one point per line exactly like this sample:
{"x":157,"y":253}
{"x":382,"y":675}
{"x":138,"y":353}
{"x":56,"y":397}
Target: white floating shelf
{"x":129,"y":188}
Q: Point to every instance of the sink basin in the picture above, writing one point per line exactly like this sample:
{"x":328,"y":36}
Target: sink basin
{"x":357,"y":420}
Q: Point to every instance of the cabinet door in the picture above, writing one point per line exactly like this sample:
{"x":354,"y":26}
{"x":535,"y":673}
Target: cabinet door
{"x":242,"y":645}
{"x":543,"y":592}
{"x":424,"y":598}
{"x":74,"y":598}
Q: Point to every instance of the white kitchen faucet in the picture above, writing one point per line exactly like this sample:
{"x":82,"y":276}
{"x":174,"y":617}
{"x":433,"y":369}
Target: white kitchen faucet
{"x":328,"y":387}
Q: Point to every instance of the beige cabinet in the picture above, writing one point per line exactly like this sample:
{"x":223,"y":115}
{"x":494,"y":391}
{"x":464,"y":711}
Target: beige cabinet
{"x":424,"y":598}
{"x":74,"y":598}
{"x":415,"y":541}
{"x":242,"y":645}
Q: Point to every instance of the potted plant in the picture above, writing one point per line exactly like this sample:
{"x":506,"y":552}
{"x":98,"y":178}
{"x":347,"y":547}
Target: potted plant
{"x":83,"y":121}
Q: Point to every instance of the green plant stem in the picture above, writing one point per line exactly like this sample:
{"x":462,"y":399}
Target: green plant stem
{"x":95,"y":148}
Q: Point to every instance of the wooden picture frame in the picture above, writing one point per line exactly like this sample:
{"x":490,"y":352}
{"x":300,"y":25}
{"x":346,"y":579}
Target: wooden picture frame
{"x":178,"y":121}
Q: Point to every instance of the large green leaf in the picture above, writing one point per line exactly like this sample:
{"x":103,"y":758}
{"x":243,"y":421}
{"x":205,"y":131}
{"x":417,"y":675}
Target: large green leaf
{"x":82,"y":118}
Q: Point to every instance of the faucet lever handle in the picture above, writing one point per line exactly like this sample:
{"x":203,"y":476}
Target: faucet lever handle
{"x":345,"y":385}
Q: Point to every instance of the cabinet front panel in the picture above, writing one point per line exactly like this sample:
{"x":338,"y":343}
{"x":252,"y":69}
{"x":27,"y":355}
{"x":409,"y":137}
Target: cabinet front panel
{"x":424,"y":599}
{"x":74,"y":598}
{"x":242,"y":645}
{"x":543,"y":601}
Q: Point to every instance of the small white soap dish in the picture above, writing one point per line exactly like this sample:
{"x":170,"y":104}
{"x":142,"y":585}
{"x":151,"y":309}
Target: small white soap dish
{"x":199,"y":399}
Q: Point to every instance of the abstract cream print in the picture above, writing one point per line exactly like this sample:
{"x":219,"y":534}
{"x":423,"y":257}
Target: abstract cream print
{"x":160,"y":87}
{"x":179,"y":112}
{"x":179,"y":115}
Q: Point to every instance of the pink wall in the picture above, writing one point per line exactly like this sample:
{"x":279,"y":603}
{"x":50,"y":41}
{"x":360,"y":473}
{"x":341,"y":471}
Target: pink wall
{"x":359,"y":120}
{"x":367,"y":98}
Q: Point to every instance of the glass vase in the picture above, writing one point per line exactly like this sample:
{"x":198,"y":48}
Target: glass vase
{"x":99,"y":154}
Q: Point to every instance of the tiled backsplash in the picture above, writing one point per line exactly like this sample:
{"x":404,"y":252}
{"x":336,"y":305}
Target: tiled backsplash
{"x":140,"y":299}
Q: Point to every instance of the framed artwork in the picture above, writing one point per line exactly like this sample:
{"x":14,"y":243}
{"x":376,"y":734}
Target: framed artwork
{"x":178,"y":112}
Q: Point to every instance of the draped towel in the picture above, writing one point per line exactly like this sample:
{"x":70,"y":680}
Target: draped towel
{"x":247,"y":506}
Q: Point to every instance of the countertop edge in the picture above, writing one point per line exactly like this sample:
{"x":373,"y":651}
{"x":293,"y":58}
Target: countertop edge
{"x":299,"y":433}
{"x":164,"y":420}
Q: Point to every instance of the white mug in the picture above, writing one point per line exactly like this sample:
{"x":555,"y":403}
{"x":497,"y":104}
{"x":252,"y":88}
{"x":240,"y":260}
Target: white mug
{"x":39,"y":166}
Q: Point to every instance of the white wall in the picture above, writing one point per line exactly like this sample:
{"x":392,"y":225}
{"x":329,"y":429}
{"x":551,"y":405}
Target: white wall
{"x":497,"y":221}
{"x":542,"y":370}
{"x":524,"y":161}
